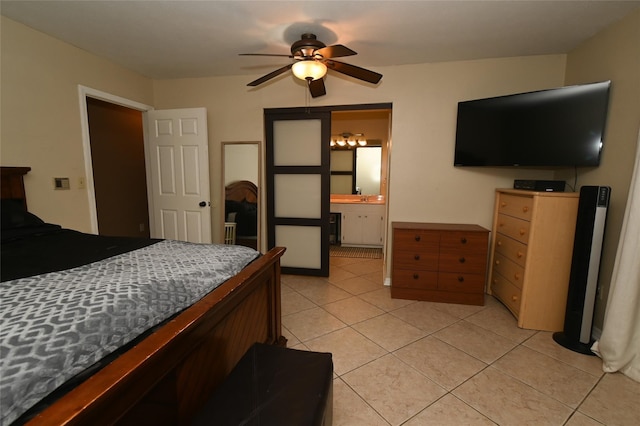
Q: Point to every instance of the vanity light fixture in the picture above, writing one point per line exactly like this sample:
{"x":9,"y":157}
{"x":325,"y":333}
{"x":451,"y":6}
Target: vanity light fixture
{"x":350,"y":139}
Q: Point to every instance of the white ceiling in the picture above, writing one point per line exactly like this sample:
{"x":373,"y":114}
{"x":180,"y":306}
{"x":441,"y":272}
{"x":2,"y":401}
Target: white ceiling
{"x":174,"y":39}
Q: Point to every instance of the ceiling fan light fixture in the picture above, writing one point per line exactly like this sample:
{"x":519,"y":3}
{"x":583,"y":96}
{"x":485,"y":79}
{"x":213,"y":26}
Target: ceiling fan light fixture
{"x":309,"y":69}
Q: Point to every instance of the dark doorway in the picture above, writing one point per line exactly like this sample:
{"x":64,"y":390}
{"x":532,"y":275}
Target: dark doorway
{"x":118,"y":161}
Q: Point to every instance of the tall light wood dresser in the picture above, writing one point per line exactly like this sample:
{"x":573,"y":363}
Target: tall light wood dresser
{"x":530,"y":255}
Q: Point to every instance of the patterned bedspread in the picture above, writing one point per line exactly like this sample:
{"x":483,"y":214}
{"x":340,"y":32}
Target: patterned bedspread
{"x":55,"y":325}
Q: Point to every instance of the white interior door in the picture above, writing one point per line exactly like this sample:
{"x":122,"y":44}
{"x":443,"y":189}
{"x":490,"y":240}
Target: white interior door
{"x":178,"y":155}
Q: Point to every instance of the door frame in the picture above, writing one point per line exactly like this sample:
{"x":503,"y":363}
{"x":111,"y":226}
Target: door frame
{"x":292,"y":111}
{"x":85,"y":92}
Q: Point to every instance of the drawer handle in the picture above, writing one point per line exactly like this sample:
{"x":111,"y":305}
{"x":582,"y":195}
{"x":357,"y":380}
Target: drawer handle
{"x":499,"y":243}
{"x":462,"y":260}
{"x":501,"y":224}
{"x":516,"y":276}
{"x":416,"y":276}
{"x":523,"y":231}
{"x":503,"y":204}
{"x":497,"y":262}
{"x":463,"y":240}
{"x":460,"y":279}
{"x":416,"y":257}
{"x":514,"y":298}
{"x":417,"y":237}
{"x":520,"y":254}
{"x":525,"y":209}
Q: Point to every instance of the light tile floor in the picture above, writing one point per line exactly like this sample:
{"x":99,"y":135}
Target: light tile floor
{"x":402,"y":362}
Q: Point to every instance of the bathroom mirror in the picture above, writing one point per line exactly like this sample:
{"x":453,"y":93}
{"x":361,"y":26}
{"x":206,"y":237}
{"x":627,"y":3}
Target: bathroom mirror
{"x":356,"y":170}
{"x":360,"y":169}
{"x":241,"y":187}
{"x":368,"y":169}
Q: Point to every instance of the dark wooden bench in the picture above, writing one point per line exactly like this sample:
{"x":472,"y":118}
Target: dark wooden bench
{"x":272,"y":385}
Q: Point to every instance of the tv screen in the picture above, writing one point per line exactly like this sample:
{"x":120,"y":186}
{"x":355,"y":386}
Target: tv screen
{"x":561,"y":127}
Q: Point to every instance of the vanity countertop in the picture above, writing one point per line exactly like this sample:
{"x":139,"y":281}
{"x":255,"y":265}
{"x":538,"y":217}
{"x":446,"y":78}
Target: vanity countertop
{"x":357,"y":199}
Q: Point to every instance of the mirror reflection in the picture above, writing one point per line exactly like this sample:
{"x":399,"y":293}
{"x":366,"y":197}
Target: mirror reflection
{"x":241,"y":173}
{"x":359,"y":167}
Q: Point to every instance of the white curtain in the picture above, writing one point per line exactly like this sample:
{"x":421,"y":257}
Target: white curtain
{"x":619,"y":345}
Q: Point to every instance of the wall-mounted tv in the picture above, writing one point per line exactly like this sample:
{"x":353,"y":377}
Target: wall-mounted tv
{"x":561,"y":127}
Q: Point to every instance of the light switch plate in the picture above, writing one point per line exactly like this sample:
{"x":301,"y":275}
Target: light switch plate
{"x":61,"y":183}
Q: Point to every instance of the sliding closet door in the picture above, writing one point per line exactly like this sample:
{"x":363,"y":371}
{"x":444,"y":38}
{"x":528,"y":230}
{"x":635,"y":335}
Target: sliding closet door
{"x":298,"y":189}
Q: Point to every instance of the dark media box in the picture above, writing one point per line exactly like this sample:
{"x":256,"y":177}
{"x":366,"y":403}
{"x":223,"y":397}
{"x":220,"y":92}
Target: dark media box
{"x":539,"y":185}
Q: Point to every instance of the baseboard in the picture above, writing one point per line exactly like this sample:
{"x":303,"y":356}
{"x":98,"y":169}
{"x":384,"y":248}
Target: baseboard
{"x":387,"y":282}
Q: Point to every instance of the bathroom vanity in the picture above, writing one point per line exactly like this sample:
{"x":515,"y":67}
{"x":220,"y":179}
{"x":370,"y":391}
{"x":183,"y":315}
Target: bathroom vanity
{"x":362,"y":219}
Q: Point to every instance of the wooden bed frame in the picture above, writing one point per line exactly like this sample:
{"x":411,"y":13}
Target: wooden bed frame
{"x":241,"y":190}
{"x":167,"y":377}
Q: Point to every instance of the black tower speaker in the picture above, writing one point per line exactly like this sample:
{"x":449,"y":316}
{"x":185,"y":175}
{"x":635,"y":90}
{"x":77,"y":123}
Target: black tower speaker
{"x":585,"y":266}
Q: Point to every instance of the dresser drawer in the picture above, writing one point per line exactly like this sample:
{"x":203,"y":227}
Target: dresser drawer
{"x":464,"y":252}
{"x":518,"y":229}
{"x":463,"y":283}
{"x":405,"y":278}
{"x":468,"y":241}
{"x":515,"y":205}
{"x":416,"y":240}
{"x":507,"y":292}
{"x":463,"y":262}
{"x":508,"y":269}
{"x":511,"y":249}
{"x":418,"y":259}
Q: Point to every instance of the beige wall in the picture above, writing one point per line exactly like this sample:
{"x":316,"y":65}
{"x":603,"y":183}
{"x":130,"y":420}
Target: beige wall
{"x":41,"y":115}
{"x":613,"y":54}
{"x":423,"y":184}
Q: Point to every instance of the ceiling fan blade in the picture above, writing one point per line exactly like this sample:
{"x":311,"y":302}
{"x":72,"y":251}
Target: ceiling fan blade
{"x":316,"y":88}
{"x":265,"y":54}
{"x":335,"y":51}
{"x":270,"y":75}
{"x":354,"y":71}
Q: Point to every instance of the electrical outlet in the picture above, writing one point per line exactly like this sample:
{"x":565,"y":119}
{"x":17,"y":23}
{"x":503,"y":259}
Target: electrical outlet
{"x":82,"y":183}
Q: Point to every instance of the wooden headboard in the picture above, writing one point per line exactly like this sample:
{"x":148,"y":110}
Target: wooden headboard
{"x":242,"y":190}
{"x":12,"y":183}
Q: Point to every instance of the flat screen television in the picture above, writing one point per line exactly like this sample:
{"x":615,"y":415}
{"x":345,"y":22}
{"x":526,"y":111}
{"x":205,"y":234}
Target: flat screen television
{"x":561,"y":127}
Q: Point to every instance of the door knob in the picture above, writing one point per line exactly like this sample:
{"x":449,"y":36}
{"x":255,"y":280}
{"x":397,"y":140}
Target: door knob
{"x":202,"y":204}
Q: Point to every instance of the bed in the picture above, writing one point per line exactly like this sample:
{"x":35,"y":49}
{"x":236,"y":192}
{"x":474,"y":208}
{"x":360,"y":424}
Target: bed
{"x":241,"y":208}
{"x":164,"y":375}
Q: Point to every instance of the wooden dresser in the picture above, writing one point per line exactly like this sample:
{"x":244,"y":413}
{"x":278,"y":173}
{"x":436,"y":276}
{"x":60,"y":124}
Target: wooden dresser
{"x":530,"y":255}
{"x":439,"y":262}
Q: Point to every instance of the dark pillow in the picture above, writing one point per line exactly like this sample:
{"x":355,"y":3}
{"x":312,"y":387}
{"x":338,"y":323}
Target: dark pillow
{"x":231,"y":206}
{"x":15,"y":216}
{"x":247,"y":219}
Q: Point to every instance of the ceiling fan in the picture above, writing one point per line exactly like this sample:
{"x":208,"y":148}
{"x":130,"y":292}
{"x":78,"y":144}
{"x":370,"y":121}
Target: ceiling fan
{"x":311,"y":60}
